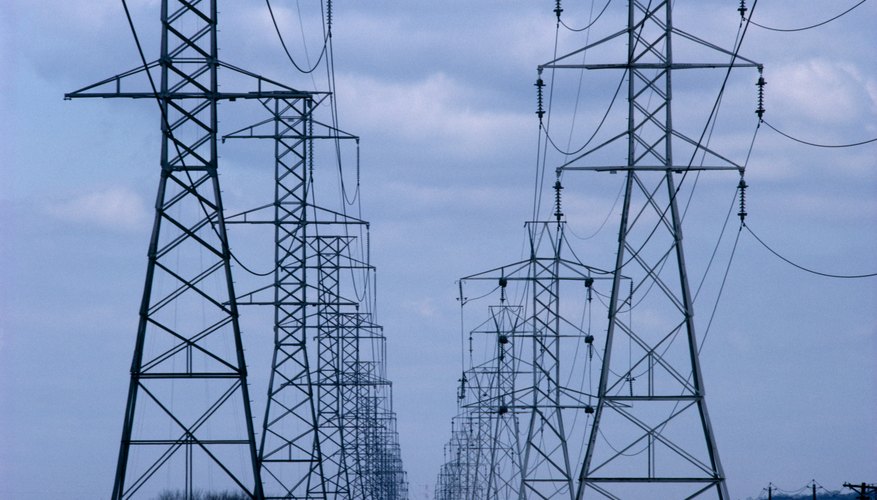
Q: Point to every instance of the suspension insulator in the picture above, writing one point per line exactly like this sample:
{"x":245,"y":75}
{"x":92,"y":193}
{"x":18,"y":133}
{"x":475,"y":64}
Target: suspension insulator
{"x":742,"y":9}
{"x":742,"y":187}
{"x":557,"y":213}
{"x":329,"y":17}
{"x":760,"y":84}
{"x":540,"y":111}
{"x":557,"y":9}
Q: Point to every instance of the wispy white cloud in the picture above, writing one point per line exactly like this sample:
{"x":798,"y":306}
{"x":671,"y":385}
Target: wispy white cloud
{"x":831,"y":92}
{"x":117,"y":207}
{"x":432,"y":110}
{"x":423,"y":307}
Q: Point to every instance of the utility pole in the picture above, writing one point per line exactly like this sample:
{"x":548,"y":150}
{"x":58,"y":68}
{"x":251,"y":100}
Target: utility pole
{"x":864,"y":490}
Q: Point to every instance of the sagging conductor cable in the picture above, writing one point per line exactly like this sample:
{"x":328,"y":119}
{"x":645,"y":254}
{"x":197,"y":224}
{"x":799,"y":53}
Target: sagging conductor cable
{"x":802,"y":268}
{"x":743,"y":9}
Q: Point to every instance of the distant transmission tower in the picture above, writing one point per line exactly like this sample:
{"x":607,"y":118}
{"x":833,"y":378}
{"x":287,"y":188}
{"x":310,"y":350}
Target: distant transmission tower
{"x":652,"y":435}
{"x":533,"y":389}
{"x":323,"y":438}
{"x":188,"y":424}
{"x":505,"y":325}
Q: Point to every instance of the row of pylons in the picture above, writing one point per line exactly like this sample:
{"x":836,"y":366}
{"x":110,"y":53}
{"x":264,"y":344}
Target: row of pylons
{"x":584,"y":381}
{"x":327,"y":429}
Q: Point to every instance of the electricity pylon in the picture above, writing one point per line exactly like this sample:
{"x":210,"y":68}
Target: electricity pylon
{"x":655,"y":433}
{"x":505,"y":326}
{"x":302,"y":451}
{"x":329,"y":429}
{"x":187,"y":420}
{"x":536,"y":361}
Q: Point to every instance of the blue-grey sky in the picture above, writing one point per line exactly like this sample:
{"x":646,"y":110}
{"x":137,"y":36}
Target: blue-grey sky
{"x":442,"y":95}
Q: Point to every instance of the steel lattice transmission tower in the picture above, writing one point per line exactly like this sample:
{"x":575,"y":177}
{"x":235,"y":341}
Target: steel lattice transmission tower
{"x":652,"y":435}
{"x":188,"y":417}
{"x":323,"y":437}
{"x":505,"y":325}
{"x":532,"y":390}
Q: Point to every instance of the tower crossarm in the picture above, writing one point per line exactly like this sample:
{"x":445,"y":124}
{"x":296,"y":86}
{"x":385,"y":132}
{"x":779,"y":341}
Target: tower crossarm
{"x":124,"y":85}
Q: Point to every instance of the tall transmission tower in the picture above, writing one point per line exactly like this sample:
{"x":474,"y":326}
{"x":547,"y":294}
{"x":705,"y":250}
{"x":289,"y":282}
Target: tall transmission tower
{"x":535,"y":397}
{"x":644,"y":430}
{"x":188,"y":419}
{"x":652,"y":434}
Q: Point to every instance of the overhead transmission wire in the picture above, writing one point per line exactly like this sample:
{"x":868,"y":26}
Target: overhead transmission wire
{"x":579,"y":91}
{"x":567,"y":152}
{"x":778,"y":254}
{"x":802,"y":268}
{"x":285,"y":49}
{"x":591,"y":21}
{"x":817,"y":145}
{"x":804,"y":28}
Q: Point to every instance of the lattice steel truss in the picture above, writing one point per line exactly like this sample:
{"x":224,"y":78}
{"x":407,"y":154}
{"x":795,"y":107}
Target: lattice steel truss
{"x":520,"y":408}
{"x":653,"y":437}
{"x":329,"y":428}
{"x":188,"y":418}
{"x":321,"y":436}
{"x":505,"y":326}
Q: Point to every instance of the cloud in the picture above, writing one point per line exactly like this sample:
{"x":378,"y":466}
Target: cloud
{"x":834,"y":92}
{"x":424,"y":307}
{"x":117,"y":207}
{"x":432,"y":110}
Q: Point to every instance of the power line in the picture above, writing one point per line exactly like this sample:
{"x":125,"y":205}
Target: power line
{"x":804,"y":28}
{"x":819,"y":273}
{"x":603,"y":10}
{"x":809,"y":143}
{"x":285,"y":49}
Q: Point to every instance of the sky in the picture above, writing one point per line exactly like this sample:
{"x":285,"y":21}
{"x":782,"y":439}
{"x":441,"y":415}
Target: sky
{"x":442,"y":96}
